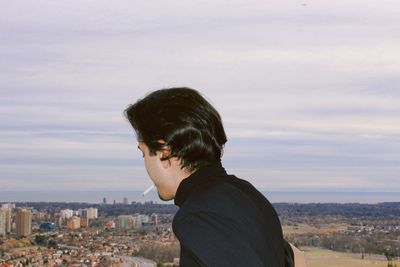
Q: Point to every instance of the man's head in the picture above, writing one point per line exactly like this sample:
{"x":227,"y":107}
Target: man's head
{"x":177,"y":125}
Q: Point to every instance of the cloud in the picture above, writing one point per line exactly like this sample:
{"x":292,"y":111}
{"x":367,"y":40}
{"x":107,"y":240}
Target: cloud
{"x":306,"y":90}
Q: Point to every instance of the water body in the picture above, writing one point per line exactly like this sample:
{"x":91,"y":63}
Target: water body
{"x":274,"y":197}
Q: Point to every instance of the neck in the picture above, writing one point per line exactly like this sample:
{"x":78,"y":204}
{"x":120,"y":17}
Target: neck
{"x":179,"y":173}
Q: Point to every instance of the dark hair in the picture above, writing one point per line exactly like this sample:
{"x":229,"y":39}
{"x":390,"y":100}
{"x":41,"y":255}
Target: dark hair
{"x":185,"y":120}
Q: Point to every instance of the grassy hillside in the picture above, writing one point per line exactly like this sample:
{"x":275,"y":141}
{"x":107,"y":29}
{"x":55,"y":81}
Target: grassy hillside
{"x":317,"y":257}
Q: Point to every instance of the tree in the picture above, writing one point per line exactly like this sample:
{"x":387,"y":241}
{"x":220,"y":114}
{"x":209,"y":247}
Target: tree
{"x":52,"y":244}
{"x":41,"y":240}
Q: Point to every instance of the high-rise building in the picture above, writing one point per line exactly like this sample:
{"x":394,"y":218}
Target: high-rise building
{"x":140,"y":219}
{"x":58,"y":220}
{"x":8,"y":220}
{"x":154,"y":218}
{"x":92,"y":213}
{"x":74,"y":223}
{"x":2,"y":222}
{"x":8,"y":205}
{"x":89,"y":213}
{"x":39,"y":216}
{"x":23,"y":222}
{"x":66,"y":214}
{"x":126,"y":221}
{"x":83,"y":213}
{"x":5,"y":220}
{"x":125,"y":201}
{"x":104,"y":200}
{"x":84,"y":222}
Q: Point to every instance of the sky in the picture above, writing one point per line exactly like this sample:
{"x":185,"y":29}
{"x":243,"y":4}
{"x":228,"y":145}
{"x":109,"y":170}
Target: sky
{"x":309,"y":91}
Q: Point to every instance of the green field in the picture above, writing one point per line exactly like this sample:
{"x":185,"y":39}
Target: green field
{"x":317,"y":257}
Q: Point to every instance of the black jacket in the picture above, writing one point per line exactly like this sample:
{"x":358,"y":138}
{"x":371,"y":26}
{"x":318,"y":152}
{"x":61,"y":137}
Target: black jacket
{"x":225,"y":221}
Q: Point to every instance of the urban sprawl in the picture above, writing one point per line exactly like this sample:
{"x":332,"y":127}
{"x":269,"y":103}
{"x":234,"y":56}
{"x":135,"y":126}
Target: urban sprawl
{"x":140,"y":234}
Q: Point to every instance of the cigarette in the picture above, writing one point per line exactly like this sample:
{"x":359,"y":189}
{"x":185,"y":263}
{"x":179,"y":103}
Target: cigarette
{"x":148,"y":190}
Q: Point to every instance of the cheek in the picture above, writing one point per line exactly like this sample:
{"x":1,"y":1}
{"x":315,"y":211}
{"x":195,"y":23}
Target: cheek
{"x":151,"y":167}
{"x":147,"y":165}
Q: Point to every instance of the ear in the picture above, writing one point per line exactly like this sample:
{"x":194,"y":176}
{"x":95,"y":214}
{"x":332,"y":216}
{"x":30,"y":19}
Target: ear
{"x":165,"y":152}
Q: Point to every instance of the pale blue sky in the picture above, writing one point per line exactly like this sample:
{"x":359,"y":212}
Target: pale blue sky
{"x":309,"y":91}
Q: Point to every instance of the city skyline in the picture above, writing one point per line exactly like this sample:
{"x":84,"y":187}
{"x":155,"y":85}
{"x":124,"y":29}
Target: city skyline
{"x":308,"y":91}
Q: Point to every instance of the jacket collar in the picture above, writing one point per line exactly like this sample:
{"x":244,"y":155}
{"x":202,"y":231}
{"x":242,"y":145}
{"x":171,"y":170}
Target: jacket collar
{"x":200,"y":176}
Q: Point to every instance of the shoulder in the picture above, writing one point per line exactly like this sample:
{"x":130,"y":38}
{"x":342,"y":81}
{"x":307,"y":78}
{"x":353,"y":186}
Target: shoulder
{"x":213,"y":197}
{"x":236,"y":201}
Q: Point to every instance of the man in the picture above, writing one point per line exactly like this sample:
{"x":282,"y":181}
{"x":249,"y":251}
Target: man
{"x":222,"y":220}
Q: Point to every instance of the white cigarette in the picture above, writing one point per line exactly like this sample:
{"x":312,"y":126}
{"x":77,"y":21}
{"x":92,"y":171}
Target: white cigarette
{"x":148,"y":190}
